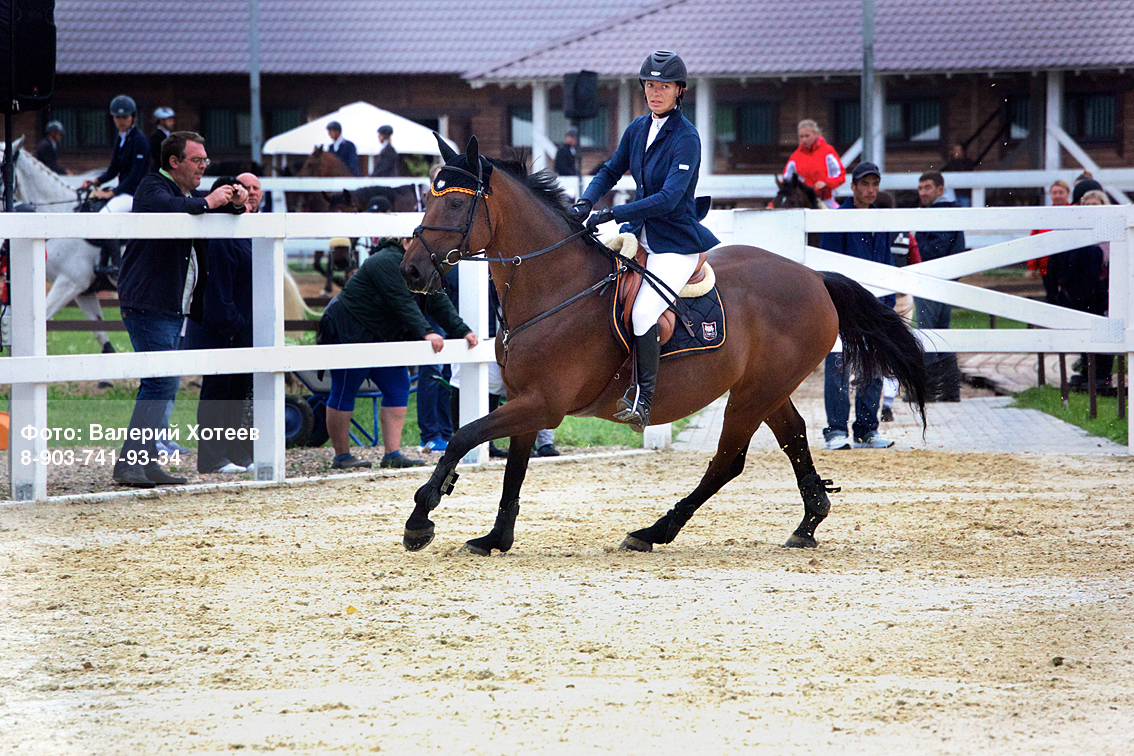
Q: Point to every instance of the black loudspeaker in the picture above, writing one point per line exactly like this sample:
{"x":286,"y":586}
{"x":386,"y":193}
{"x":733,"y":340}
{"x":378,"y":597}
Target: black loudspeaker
{"x":580,"y":95}
{"x":27,"y":54}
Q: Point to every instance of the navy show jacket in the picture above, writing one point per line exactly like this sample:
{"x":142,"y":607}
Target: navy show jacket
{"x":666,"y":179}
{"x":128,"y":162}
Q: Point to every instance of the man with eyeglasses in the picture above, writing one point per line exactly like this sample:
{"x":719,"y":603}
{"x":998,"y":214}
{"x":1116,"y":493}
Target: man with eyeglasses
{"x":163,"y":281}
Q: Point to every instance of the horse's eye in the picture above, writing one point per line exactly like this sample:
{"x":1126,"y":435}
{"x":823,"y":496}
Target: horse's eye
{"x":456,"y":203}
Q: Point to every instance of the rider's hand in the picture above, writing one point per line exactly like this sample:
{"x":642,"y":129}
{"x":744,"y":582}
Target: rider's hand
{"x":219,"y":197}
{"x":598,"y":218}
{"x":580,"y":210}
{"x":88,"y":183}
{"x":435,"y":341}
{"x":472,"y":339}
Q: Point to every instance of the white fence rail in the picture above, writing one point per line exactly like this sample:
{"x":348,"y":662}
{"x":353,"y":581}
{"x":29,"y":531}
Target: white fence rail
{"x":30,"y":370}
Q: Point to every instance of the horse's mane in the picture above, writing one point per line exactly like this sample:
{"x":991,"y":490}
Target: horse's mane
{"x":544,"y":186}
{"x":34,"y":164}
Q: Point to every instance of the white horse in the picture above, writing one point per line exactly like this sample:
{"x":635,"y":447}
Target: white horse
{"x":70,"y":262}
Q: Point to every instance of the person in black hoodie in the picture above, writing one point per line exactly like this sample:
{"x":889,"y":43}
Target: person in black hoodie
{"x":163,"y":281}
{"x":941,"y":367}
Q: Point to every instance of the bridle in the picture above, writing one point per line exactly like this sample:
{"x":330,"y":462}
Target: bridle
{"x":465,"y":229}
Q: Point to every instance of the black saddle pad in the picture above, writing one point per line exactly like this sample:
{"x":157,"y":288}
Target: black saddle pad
{"x":708,"y":320}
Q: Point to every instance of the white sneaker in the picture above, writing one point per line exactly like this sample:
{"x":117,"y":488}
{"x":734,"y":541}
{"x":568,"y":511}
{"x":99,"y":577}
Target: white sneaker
{"x":251,"y":467}
{"x":837,"y":442}
{"x":232,"y":467}
{"x":873,"y":441}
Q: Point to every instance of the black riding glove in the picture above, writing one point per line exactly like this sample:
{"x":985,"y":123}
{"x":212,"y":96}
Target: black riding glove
{"x":598,"y":218}
{"x":580,"y":210}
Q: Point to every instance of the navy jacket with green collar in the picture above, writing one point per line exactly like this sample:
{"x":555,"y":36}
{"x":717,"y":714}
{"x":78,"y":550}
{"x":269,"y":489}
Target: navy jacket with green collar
{"x":154,"y":270}
{"x":666,"y":179}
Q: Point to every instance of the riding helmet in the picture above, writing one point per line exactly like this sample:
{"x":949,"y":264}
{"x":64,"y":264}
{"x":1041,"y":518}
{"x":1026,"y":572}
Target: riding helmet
{"x":386,"y":131}
{"x":123,"y":106}
{"x":163,"y":113}
{"x":335,"y":126}
{"x":663,"y":65}
{"x":53,"y":126}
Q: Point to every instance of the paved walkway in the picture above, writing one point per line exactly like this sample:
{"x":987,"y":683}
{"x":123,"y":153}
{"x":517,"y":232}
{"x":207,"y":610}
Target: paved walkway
{"x":974,"y":424}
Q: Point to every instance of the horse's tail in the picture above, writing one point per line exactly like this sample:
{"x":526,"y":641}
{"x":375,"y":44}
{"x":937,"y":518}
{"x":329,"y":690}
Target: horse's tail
{"x":876,"y":340}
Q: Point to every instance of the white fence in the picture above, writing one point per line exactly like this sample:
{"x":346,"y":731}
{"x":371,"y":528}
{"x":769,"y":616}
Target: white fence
{"x":30,"y":370}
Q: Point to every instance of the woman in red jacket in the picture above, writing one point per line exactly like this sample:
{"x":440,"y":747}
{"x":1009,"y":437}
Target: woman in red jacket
{"x":816,"y":163}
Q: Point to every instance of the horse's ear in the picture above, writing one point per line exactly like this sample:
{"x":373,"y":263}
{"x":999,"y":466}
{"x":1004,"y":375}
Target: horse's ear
{"x":447,"y":152}
{"x":779,"y":182}
{"x":472,"y":151}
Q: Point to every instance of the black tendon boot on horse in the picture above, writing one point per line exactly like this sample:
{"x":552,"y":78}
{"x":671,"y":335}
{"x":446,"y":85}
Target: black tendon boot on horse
{"x":634,"y":407}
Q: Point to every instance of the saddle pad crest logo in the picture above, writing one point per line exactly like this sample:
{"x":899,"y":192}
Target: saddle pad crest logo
{"x":709,"y":330}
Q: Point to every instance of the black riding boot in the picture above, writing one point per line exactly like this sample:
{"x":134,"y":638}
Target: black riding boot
{"x":634,"y":407}
{"x":109,"y":258}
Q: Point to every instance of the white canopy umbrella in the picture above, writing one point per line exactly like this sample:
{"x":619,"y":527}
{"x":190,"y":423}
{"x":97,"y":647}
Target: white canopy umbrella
{"x":360,"y":122}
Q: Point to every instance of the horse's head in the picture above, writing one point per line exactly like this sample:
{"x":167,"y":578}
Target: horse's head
{"x":454,"y":226}
{"x":311,"y":165}
{"x":794,"y":193}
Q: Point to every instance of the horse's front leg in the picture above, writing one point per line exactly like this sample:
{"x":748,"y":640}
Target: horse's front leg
{"x":503,"y":530}
{"x":515,"y":418}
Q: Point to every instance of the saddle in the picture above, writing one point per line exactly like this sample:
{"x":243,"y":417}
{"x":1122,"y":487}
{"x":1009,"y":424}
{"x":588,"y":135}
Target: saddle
{"x":630,"y":283}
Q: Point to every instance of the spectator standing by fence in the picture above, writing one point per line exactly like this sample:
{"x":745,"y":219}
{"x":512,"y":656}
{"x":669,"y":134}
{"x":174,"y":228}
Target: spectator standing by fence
{"x":941,"y":367}
{"x":1060,"y":194}
{"x":873,"y":246}
{"x":162,"y":282}
{"x":226,"y":323}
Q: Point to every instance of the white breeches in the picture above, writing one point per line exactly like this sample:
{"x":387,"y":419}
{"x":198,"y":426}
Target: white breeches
{"x":123,"y":203}
{"x":675,"y":271}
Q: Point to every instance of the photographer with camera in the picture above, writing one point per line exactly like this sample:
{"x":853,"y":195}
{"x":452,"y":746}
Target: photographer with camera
{"x":163,"y":281}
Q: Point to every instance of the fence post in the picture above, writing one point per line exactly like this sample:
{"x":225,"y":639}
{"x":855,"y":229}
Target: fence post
{"x":29,"y":339}
{"x":474,"y":282}
{"x":268,"y":331}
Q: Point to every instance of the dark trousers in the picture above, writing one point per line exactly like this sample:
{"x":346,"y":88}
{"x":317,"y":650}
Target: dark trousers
{"x":434,"y":419}
{"x":836,"y":397}
{"x":222,"y":407}
{"x":940,"y":367}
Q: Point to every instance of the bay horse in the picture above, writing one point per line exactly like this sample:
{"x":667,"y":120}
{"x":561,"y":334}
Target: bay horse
{"x":321,"y":163}
{"x":559,"y":355}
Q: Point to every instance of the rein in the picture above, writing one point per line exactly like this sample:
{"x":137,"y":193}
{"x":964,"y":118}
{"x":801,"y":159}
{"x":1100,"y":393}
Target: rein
{"x":465,"y":230}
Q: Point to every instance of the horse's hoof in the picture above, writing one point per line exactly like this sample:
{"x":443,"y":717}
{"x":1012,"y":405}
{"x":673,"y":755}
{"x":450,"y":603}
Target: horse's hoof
{"x":472,"y":548}
{"x":416,"y":540}
{"x":630,"y":543}
{"x":800,"y":542}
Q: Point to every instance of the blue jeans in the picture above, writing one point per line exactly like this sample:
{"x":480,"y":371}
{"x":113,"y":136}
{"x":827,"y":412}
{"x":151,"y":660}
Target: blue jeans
{"x":433,"y":418}
{"x":836,"y":396}
{"x":150,"y":332}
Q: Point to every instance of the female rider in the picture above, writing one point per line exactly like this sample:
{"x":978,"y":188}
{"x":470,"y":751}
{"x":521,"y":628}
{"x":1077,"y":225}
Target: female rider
{"x":662,"y":151}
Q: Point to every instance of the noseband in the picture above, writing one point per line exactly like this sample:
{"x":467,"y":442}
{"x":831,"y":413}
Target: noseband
{"x":465,"y":229}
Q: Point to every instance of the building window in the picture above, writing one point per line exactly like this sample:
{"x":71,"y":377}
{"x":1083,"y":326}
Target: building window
{"x":226,"y":129}
{"x":87,"y":127}
{"x":1090,"y":117}
{"x":913,"y":121}
{"x":592,"y":131}
{"x":1019,"y":116}
{"x":285,"y":119}
{"x":848,"y":121}
{"x":750,"y":123}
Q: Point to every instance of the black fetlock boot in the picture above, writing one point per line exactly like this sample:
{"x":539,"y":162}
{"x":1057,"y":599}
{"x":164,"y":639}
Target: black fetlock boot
{"x":634,"y":407}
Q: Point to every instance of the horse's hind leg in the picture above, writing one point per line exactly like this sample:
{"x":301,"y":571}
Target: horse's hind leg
{"x":740,"y":423}
{"x":90,"y":306}
{"x":503,"y":530}
{"x":791,"y":433}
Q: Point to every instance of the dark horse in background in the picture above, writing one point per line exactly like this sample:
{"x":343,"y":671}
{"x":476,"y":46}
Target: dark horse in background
{"x":320,"y":163}
{"x":782,"y":320}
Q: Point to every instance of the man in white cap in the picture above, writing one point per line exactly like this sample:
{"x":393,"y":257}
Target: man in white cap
{"x":163,"y":126}
{"x":387,"y":164}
